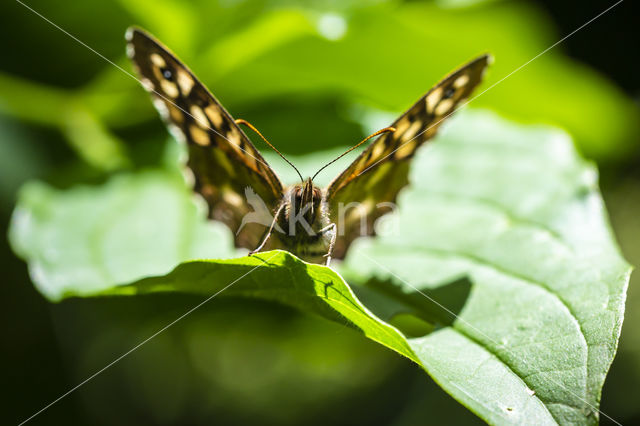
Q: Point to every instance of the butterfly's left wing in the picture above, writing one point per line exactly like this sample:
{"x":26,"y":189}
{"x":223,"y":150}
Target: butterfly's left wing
{"x":222,"y":159}
{"x":379,"y":173}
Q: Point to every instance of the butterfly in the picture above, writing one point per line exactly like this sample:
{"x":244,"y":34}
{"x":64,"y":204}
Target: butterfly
{"x":313,"y":223}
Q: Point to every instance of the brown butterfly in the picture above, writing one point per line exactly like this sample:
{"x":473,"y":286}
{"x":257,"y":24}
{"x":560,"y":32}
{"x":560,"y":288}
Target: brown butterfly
{"x":312,"y":223}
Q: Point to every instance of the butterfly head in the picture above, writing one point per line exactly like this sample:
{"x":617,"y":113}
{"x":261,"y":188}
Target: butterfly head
{"x":305,"y":199}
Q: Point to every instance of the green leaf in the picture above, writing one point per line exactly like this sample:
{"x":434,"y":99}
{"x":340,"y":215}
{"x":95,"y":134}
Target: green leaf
{"x":277,"y":276}
{"x":154,"y":16}
{"x":16,"y":93}
{"x":86,"y":239}
{"x":88,"y":136}
{"x":516,"y":211}
{"x":499,"y":266}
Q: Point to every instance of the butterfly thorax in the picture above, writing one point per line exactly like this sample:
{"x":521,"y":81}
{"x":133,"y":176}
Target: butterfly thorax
{"x":304,"y":215}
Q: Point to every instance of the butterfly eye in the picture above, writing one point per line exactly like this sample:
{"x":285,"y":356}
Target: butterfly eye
{"x":167,"y":73}
{"x":449,"y":93}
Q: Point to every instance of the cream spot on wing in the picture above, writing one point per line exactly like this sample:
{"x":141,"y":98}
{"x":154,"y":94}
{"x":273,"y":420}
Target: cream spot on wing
{"x":358,"y":215}
{"x":246,"y":154}
{"x":177,"y":133}
{"x":402,"y":126}
{"x":431,"y":130}
{"x":170,"y":88}
{"x":199,"y":116}
{"x":411,"y":131}
{"x":359,"y":166}
{"x":161,"y":107}
{"x":378,"y":149}
{"x":233,"y":136}
{"x":461,"y":81}
{"x":129,"y":34}
{"x":433,"y":98}
{"x":444,"y":106}
{"x":185,"y":81}
{"x":158,"y":60}
{"x":131,"y":51}
{"x":213,"y":112}
{"x":189,"y":177}
{"x":232,"y":197}
{"x":251,"y":161}
{"x":175,"y":113}
{"x":199,"y":136}
{"x":147,"y":84}
{"x":369,"y":204}
{"x":183,"y":156}
{"x":356,"y":212}
{"x":406,"y":149}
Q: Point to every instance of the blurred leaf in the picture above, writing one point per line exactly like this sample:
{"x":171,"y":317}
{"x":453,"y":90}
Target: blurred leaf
{"x":171,"y":20}
{"x":269,"y":32}
{"x":109,"y":97}
{"x":513,"y":208}
{"x":462,"y":3}
{"x":89,"y":138}
{"x":92,"y":141}
{"x":18,"y":96}
{"x":389,"y":54}
{"x":87,"y":239}
{"x":382,"y":54}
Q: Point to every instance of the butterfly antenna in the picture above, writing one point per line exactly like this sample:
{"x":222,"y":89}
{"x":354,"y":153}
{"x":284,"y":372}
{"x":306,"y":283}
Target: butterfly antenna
{"x":249,"y":125}
{"x":385,"y":130}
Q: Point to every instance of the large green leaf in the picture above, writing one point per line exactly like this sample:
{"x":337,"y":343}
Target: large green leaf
{"x":499,"y":266}
{"x":87,"y":239}
{"x":520,"y":214}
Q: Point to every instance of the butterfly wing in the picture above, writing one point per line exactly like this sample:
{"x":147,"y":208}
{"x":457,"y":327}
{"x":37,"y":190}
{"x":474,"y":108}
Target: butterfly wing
{"x":222,"y":159}
{"x":381,"y":170}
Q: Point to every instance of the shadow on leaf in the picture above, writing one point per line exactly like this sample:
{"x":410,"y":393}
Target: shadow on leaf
{"x":416,"y":312}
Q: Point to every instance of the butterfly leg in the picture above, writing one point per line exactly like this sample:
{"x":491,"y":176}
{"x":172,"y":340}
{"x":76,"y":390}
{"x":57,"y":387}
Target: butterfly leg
{"x":334,"y":233}
{"x":266,"y":237}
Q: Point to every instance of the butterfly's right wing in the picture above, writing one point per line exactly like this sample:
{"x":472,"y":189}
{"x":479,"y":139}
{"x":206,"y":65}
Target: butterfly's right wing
{"x":374,"y":179}
{"x":223,"y":160}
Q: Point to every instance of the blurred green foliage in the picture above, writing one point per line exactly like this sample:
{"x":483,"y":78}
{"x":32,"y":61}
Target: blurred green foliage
{"x":311,"y":76}
{"x":259,"y":53}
